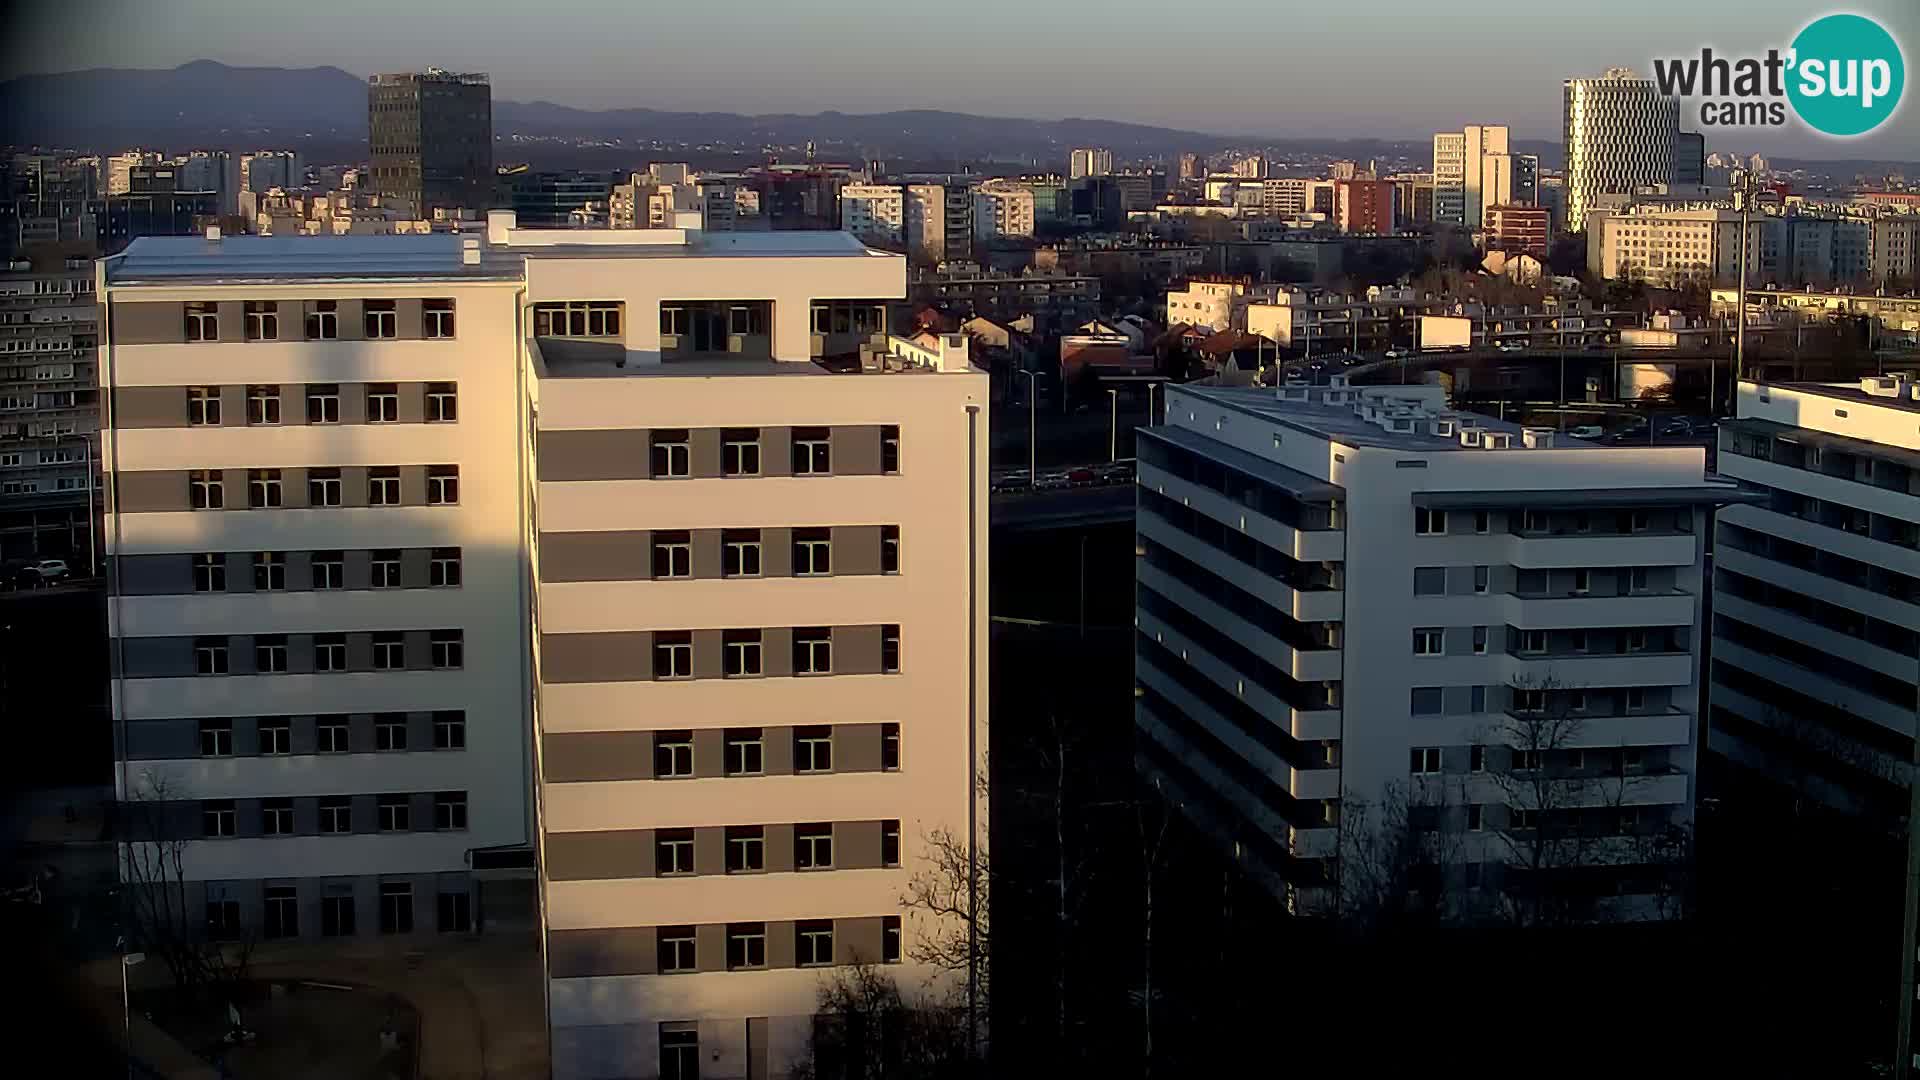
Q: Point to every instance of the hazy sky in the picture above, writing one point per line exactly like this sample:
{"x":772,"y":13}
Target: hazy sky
{"x":1388,"y":68}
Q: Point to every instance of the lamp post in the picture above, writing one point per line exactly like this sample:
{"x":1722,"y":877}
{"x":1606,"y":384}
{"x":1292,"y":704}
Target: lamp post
{"x":1113,"y":426}
{"x":1033,"y":429}
{"x":127,"y":960}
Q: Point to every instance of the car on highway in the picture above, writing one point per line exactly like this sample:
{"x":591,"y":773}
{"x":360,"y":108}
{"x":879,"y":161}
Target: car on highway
{"x":1679,"y":425}
{"x":1512,"y":346}
{"x":1398,"y":353}
{"x":1586,"y":431}
{"x":1296,"y":372}
{"x":1351,"y":361}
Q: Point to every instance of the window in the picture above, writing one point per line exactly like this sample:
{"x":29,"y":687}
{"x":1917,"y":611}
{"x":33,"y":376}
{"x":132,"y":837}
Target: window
{"x":330,"y":652}
{"x":263,"y":488}
{"x":1427,"y":701}
{"x":210,"y":656}
{"x":673,"y":655}
{"x":223,"y":917}
{"x":336,"y":814}
{"x":740,"y":552}
{"x":890,"y":747}
{"x":1582,"y":582}
{"x":813,"y":940}
{"x":383,"y":403}
{"x":394,"y":813}
{"x":283,"y":907}
{"x":890,"y":649}
{"x":812,"y":452}
{"x":742,"y":653}
{"x":383,"y":486}
{"x":813,"y":847}
{"x":450,"y":810}
{"x":443,"y":403}
{"x":210,"y":573}
{"x":263,"y":320}
{"x":449,"y":730}
{"x":746,"y":849}
{"x":1428,"y":522}
{"x":742,"y":320}
{"x":443,"y":485}
{"x":217,"y":818}
{"x":1426,"y":760}
{"x":1480,"y":641}
{"x":1533,"y":641}
{"x":676,"y":952}
{"x":276,"y":817}
{"x":1534,"y":521}
{"x":890,"y":939}
{"x":1577,"y":701}
{"x":456,"y":913}
{"x":679,"y":1048}
{"x":323,"y":487}
{"x":1638,"y":521}
{"x":1526,"y":760}
{"x":740,"y":451}
{"x":1429,"y":580}
{"x":206,"y":491}
{"x":670,"y":454}
{"x":1637,"y":579}
{"x":443,"y":568}
{"x":216,"y":737}
{"x":1636,"y":698}
{"x":583,"y":318}
{"x":436,"y":318}
{"x":270,"y":571}
{"x":1522,"y":819}
{"x":389,"y":651}
{"x":813,"y":749}
{"x":263,"y":404}
{"x":323,"y":320}
{"x":336,"y":912}
{"x":276,"y":732}
{"x":890,"y":843}
{"x":673,"y":320}
{"x":890,"y":449}
{"x":1429,"y":642}
{"x":672,"y":754}
{"x":203,"y":322}
{"x":746,"y":946}
{"x":1477,"y":759}
{"x":448,"y":649}
{"x":384,"y":568}
{"x":329,"y":570}
{"x":889,"y":549}
{"x":396,"y":907}
{"x":323,"y":403}
{"x":1481,"y":521}
{"x":812,"y":552}
{"x":673,"y":852}
{"x":203,"y":406}
{"x":1482,"y":576}
{"x":1583,"y":523}
{"x":331,"y":734}
{"x":812,"y":651}
{"x":1577,"y":640}
{"x":745,"y":751}
{"x":380,"y":318}
{"x":1473,"y":817}
{"x":672,"y":554}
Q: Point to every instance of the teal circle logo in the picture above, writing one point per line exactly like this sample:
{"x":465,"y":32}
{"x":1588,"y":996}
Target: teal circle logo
{"x":1847,"y":75}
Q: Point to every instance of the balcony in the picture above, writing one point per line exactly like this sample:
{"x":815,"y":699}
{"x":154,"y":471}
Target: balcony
{"x":1539,"y":611}
{"x":1318,"y":545}
{"x":1664,"y":727}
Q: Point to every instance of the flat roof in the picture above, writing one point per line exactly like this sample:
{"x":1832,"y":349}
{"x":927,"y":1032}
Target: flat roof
{"x":1846,"y":392}
{"x":1590,"y":498}
{"x":1341,"y":424}
{"x":1292,"y":481}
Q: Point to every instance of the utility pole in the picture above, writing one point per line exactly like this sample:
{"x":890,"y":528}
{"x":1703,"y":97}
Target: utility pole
{"x":1033,"y":430}
{"x":1113,"y":427}
{"x":1743,"y":200}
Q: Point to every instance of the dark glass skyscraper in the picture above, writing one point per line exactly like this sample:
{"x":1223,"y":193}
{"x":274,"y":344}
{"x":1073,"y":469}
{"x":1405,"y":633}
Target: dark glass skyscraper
{"x":431,"y":137}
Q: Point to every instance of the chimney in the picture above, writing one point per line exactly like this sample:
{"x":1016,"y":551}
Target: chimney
{"x":213,"y":234}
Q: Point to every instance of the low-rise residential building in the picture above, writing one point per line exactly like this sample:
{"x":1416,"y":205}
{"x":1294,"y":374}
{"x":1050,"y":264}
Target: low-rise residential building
{"x":876,"y":213}
{"x":1002,"y":209}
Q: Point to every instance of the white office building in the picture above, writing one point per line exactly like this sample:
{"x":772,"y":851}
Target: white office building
{"x":1816,"y":593}
{"x":1620,"y":135}
{"x":1475,"y":168}
{"x":1344,"y":593}
{"x":627,"y":548}
{"x":1089,"y":161}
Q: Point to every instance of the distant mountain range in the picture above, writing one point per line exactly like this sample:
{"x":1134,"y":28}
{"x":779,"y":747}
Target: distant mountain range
{"x":323,"y":111}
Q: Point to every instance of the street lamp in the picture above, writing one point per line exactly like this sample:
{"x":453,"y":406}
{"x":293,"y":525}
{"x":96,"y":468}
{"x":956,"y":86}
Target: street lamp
{"x":1033,"y":429}
{"x":1113,"y":426}
{"x":127,"y":961}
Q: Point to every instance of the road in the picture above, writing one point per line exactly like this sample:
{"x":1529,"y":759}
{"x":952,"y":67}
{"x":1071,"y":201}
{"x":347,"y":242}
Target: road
{"x":1061,"y":507}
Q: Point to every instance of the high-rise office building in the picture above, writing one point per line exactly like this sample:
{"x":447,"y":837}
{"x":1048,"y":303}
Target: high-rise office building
{"x":217,"y":171}
{"x":1524,"y":608}
{"x":1620,"y":134}
{"x":1476,"y":168}
{"x":1689,"y":159}
{"x":268,"y":169}
{"x":431,"y":139}
{"x":757,"y":551}
{"x":119,"y":166}
{"x":1089,"y":161}
{"x":1814,"y":592}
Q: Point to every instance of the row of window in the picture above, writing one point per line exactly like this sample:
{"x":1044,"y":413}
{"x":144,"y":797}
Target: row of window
{"x":747,"y":950}
{"x":321,"y":320}
{"x":745,"y":751}
{"x":742,"y":652}
{"x":1431,"y":700}
{"x":323,"y":404}
{"x":206,"y":489}
{"x":333,"y":734}
{"x":220,"y":818}
{"x":811,"y":452}
{"x":1427,"y":761}
{"x":740,"y":550}
{"x":1431,"y":522}
{"x":1432,"y":640}
{"x":328,"y":570}
{"x":338,"y":918}
{"x":746,"y":848}
{"x":446,"y":652}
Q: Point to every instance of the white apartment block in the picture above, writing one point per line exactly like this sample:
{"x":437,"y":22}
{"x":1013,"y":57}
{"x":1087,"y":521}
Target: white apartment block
{"x":939,"y":222}
{"x":1003,"y":208}
{"x":875,"y":213}
{"x":1816,"y":597}
{"x":49,"y":403}
{"x":616,"y":546}
{"x":1283,"y":196}
{"x":1345,"y":591}
{"x":1894,"y":249}
{"x":1475,"y":168}
{"x":1089,"y":161}
{"x":1670,"y":246}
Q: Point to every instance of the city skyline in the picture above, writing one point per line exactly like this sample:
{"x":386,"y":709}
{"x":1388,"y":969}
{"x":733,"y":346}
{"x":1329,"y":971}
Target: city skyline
{"x":777,"y":63}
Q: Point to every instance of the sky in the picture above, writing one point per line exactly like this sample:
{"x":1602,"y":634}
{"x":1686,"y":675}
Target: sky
{"x":1374,"y":68}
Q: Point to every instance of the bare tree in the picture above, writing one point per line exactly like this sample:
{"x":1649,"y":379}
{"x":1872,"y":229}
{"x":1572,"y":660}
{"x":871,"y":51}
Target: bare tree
{"x":161,"y":917}
{"x":864,"y":1028}
{"x":953,"y":891}
{"x":1528,"y":761}
{"x":1401,"y":857}
{"x":1151,"y":818}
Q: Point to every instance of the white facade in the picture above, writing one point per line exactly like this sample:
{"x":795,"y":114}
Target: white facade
{"x":1089,"y":161}
{"x":49,"y":406}
{"x":1816,"y":620}
{"x":1003,"y":208}
{"x":1346,"y":592}
{"x":1665,"y":246}
{"x":875,"y":213}
{"x":1475,"y":168}
{"x":1620,"y":135}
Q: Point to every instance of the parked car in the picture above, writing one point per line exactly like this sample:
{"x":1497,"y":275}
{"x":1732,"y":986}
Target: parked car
{"x":1586,"y":431}
{"x":51,"y":569}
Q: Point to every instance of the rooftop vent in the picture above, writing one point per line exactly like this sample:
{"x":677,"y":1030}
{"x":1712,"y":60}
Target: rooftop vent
{"x":1536,"y":438}
{"x":1445,"y":427}
{"x":1471,"y":436}
{"x":213,"y":234}
{"x":1885,"y":385}
{"x":1496,"y":440}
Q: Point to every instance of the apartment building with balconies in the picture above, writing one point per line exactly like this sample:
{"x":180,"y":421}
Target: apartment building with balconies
{"x":48,"y":405}
{"x":1816,"y":598}
{"x":1351,"y":596}
{"x":645,"y":550}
